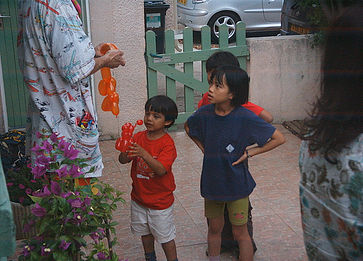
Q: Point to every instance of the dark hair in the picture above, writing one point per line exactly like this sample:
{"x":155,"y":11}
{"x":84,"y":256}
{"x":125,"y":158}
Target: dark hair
{"x":221,"y":58}
{"x":337,"y":115}
{"x":237,"y":81}
{"x":164,"y":105}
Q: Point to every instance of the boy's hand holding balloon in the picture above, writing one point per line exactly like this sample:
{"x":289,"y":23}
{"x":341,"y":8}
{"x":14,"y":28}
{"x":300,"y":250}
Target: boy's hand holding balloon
{"x":123,"y":143}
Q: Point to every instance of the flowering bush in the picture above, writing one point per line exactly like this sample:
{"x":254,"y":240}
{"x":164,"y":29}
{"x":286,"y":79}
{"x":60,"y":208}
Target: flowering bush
{"x":67,"y":216}
{"x":20,"y":183}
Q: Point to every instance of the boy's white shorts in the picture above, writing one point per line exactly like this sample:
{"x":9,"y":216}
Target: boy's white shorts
{"x":159,"y":223}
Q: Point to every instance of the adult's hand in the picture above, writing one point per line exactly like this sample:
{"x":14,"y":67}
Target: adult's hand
{"x":114,"y":58}
{"x":98,"y":50}
{"x":111,"y":59}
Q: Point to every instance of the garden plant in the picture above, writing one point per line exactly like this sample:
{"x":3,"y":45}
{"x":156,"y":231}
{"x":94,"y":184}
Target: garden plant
{"x":72,"y":222}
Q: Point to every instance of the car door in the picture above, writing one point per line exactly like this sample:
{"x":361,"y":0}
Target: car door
{"x":272,"y":10}
{"x":250,"y":11}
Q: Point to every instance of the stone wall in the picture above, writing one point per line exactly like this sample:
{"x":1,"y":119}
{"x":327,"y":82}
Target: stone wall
{"x":285,"y":75}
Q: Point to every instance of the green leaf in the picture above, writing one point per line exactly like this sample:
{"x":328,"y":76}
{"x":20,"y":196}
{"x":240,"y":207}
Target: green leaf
{"x":60,"y":256}
{"x":35,"y":199}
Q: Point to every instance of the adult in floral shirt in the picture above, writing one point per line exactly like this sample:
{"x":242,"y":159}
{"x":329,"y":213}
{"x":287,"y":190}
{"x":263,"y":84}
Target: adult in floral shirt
{"x":331,"y":157}
{"x":56,"y":56}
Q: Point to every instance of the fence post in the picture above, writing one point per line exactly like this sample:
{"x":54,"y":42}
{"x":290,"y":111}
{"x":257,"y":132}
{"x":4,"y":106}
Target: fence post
{"x":241,"y":41}
{"x":188,"y":69}
{"x":170,"y":49}
{"x":152,"y":80}
{"x":206,"y":45}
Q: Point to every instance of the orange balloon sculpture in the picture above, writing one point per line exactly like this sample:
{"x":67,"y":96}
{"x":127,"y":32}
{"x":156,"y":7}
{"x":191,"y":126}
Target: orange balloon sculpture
{"x":107,"y":86}
{"x":126,"y":138}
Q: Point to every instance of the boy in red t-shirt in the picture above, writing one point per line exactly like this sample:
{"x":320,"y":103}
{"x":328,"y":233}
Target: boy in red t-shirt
{"x":215,"y":60}
{"x":152,"y":155}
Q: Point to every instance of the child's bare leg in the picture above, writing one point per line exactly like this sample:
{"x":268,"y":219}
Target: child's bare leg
{"x":148,"y":244}
{"x":214,"y":235}
{"x":240,"y":234}
{"x":169,"y":250}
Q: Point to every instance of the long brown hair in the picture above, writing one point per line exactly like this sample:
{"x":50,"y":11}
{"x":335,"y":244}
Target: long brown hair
{"x":337,"y":116}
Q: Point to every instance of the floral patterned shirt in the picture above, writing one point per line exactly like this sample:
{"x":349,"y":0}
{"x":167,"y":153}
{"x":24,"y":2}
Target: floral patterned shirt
{"x":331,"y":198}
{"x":56,"y":56}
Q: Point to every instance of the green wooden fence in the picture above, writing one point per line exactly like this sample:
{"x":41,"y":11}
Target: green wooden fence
{"x":166,"y":63}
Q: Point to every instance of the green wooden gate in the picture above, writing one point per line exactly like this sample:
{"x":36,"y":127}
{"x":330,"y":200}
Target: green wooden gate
{"x":166,"y":64}
{"x":16,"y":94}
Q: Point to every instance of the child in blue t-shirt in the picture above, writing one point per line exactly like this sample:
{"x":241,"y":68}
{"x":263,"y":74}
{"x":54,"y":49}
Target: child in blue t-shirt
{"x":223,"y":130}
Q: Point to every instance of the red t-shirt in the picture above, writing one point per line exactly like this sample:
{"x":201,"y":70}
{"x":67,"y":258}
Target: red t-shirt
{"x":153,"y":192}
{"x":249,"y":105}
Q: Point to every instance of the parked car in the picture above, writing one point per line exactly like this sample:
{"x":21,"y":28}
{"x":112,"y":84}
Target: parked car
{"x":258,"y":15}
{"x":294,"y":20}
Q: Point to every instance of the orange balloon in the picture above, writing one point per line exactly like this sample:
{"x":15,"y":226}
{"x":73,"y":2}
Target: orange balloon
{"x":103,"y":87}
{"x":114,"y":97}
{"x":106,"y":47}
{"x":115,"y":109}
{"x":113,"y":81}
{"x":111,"y":88}
{"x":106,"y":74}
{"x":106,"y":104}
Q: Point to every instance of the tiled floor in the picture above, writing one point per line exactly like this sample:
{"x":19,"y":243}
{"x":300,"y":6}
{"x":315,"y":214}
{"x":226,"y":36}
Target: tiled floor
{"x":276,"y":213}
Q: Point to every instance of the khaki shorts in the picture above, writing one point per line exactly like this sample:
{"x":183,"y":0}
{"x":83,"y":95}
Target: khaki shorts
{"x":237,"y":210}
{"x":159,"y":223}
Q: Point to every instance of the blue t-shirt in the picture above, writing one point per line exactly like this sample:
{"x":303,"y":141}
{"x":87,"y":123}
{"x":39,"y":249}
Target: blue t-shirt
{"x":225,"y":139}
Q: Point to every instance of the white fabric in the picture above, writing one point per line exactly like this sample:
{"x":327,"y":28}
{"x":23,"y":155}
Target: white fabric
{"x":56,"y":56}
{"x":159,"y":223}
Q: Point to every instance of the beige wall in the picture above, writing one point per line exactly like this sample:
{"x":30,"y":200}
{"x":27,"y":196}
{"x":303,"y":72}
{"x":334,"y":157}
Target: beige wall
{"x":285,"y":75}
{"x":121,"y":22}
{"x":171,"y":15}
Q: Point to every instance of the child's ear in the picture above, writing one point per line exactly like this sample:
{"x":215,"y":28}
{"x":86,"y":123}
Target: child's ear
{"x":167,"y":123}
{"x":230,"y":96}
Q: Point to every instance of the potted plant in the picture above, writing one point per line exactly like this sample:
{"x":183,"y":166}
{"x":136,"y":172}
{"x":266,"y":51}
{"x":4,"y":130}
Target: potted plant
{"x":66,"y":216}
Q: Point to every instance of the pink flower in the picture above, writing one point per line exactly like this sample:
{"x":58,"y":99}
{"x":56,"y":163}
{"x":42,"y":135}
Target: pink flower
{"x":39,"y":135}
{"x":64,"y":245}
{"x":55,"y":188}
{"x":38,"y":210}
{"x":62,"y":172}
{"x":28,"y":191}
{"x":21,"y":186}
{"x":53,"y":137}
{"x":9,"y":184}
{"x":71,"y":153}
{"x":37,"y":149}
{"x":63,"y":145}
{"x":75,"y":203}
{"x":42,"y":194}
{"x":42,"y":160}
{"x":75,"y":171}
{"x":47,"y":146}
{"x":38,"y":171}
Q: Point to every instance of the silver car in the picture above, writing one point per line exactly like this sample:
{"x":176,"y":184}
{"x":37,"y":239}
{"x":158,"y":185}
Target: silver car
{"x":258,"y":15}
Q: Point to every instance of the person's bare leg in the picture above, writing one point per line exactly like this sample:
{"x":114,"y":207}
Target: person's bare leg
{"x":148,"y":244}
{"x":240,"y":234}
{"x":170,"y":250}
{"x":214,"y":235}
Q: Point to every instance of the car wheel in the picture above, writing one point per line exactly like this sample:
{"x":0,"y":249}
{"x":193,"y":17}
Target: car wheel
{"x":227,"y":18}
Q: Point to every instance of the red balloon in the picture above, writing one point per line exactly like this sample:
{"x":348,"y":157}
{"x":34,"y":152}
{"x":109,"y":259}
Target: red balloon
{"x":139,"y":122}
